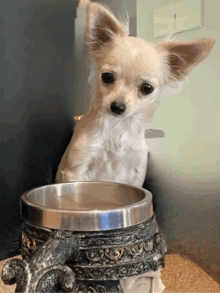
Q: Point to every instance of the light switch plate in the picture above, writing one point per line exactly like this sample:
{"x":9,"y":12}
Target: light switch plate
{"x":177,"y":17}
{"x":188,"y":15}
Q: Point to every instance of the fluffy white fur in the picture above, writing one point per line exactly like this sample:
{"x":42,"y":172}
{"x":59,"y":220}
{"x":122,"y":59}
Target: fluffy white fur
{"x":110,"y":147}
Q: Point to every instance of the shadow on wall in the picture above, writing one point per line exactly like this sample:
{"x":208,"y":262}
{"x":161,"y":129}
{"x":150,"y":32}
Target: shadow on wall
{"x":182,"y":209}
{"x":35,"y":103}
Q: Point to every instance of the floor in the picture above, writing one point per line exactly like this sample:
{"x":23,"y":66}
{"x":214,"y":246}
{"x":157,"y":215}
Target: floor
{"x":183,"y":276}
{"x":179,"y":276}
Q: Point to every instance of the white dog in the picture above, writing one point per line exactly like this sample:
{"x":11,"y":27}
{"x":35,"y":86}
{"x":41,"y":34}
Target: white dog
{"x":108,"y":143}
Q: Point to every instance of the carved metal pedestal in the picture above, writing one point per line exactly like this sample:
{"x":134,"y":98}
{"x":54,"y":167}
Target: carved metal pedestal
{"x":56,"y":260}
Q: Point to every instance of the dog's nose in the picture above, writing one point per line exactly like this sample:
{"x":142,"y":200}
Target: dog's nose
{"x":117,"y":108}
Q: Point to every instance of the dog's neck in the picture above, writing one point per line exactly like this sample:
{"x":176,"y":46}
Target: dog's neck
{"x":117,"y":132}
{"x":122,"y":131}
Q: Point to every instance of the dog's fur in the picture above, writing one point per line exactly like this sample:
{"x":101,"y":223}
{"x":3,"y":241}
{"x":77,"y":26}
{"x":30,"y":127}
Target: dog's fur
{"x":111,"y":147}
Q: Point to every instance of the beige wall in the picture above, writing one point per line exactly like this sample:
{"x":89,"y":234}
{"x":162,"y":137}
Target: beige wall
{"x":81,"y":87}
{"x":184,"y":169}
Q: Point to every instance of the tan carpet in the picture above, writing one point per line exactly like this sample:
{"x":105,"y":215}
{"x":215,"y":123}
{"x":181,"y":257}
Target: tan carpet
{"x":179,"y":276}
{"x":183,"y":276}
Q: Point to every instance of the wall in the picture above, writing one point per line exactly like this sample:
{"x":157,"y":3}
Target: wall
{"x":185,"y":165}
{"x":81,"y":85}
{"x":36,"y":102}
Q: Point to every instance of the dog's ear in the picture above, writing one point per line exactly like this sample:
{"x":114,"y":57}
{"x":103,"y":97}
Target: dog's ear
{"x":101,"y":27}
{"x":182,"y":56}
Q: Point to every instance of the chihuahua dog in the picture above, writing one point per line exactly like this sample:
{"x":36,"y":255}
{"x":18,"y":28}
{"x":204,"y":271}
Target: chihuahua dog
{"x":109,"y":143}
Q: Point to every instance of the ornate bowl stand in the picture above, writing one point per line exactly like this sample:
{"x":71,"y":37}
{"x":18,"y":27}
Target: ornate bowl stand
{"x":85,"y":237}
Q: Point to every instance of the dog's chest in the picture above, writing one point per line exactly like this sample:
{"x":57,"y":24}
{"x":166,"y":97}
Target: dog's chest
{"x":112,"y":165}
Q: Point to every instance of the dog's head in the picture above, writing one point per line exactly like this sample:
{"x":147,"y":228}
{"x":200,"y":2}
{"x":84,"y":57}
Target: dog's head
{"x":130,"y":72}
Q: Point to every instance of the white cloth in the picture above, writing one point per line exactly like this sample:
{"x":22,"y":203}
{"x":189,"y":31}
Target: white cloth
{"x":147,"y":283}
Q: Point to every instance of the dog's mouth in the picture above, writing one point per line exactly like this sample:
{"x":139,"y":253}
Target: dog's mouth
{"x":117,"y":114}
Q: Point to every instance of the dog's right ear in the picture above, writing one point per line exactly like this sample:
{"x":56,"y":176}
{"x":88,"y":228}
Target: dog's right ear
{"x":101,"y":27}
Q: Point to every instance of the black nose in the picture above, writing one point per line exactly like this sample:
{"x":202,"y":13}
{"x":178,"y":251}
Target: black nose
{"x":117,"y":108}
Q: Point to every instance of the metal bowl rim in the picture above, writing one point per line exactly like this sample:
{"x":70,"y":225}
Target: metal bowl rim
{"x":24,"y":198}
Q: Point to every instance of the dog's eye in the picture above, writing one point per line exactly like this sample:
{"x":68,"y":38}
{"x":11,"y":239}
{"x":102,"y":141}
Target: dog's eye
{"x":146,"y":88}
{"x":107,"y":77}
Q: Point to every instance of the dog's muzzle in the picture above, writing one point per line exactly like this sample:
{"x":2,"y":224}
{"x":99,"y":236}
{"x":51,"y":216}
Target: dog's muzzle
{"x":117,"y":108}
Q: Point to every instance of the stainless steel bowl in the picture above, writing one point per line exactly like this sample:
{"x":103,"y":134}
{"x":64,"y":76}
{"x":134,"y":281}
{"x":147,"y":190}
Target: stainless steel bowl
{"x":87,"y":206}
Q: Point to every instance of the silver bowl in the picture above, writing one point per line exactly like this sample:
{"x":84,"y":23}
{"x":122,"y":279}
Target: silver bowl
{"x":87,"y":206}
{"x":85,"y":237}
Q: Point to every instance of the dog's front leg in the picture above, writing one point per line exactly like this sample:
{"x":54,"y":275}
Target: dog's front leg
{"x":75,"y":173}
{"x":76,"y":166}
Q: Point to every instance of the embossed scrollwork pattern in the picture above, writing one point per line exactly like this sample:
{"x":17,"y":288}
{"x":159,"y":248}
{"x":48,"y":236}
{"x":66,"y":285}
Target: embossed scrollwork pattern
{"x":102,"y":287}
{"x":116,"y":272}
{"x":115,"y":255}
{"x":102,"y":258}
{"x":28,"y":242}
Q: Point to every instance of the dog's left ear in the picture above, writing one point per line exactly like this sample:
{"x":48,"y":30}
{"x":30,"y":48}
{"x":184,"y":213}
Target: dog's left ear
{"x":182,"y":56}
{"x":101,"y":27}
